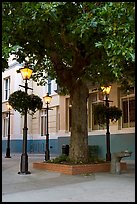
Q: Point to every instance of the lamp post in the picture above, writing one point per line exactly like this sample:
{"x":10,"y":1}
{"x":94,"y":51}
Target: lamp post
{"x":9,"y":107}
{"x":26,"y":73}
{"x":106,"y":91}
{"x":47,"y":100}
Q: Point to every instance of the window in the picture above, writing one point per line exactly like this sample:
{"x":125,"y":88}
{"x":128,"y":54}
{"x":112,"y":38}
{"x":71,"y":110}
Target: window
{"x":128,"y":108}
{"x":5,"y":125}
{"x":127,"y":100}
{"x":43,"y":122}
{"x":6,"y":88}
{"x":94,"y":99}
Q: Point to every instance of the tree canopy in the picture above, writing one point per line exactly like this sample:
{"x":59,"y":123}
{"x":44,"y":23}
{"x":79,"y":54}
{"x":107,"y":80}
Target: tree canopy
{"x":102,"y":33}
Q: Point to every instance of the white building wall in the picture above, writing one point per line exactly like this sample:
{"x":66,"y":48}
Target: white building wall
{"x":15,"y":80}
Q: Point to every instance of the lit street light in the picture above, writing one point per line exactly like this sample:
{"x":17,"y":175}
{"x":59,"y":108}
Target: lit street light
{"x":106,"y":91}
{"x":9,"y":107}
{"x":47,"y":100}
{"x":26,"y":74}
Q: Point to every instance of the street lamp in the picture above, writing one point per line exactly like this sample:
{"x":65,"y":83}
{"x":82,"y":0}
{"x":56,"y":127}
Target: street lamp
{"x":47,"y":100}
{"x":106,"y":91}
{"x":26,"y":73}
{"x":9,"y":107}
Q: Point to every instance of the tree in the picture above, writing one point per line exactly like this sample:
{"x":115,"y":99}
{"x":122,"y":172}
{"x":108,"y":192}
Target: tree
{"x":73,"y":42}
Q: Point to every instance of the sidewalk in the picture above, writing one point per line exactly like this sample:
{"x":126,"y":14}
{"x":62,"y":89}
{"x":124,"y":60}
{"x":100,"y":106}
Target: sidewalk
{"x":45,"y":186}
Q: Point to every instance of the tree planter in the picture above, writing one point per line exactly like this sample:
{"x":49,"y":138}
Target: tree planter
{"x":77,"y":169}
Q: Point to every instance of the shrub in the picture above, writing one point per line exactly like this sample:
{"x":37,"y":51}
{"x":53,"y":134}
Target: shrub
{"x":60,"y":159}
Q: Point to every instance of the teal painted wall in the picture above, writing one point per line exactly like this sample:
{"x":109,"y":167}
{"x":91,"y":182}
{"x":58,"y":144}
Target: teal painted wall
{"x":33,"y":146}
{"x":118,"y":142}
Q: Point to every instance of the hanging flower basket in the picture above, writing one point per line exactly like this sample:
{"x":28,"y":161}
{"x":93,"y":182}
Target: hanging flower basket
{"x":20,"y":101}
{"x":101,"y":111}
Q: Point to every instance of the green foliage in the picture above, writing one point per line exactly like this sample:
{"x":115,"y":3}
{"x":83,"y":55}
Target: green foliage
{"x":4,"y":64}
{"x":60,"y":159}
{"x":35,"y":103}
{"x":94,"y":40}
{"x":64,"y":159}
{"x":93,"y":151}
{"x":115,"y":23}
{"x":101,"y":111}
{"x":21,"y":101}
{"x":114,"y":113}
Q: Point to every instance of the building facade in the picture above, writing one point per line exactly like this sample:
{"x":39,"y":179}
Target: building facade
{"x":122,"y":132}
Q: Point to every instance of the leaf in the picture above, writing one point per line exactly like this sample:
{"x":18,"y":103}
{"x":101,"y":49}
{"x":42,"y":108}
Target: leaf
{"x":98,"y":44}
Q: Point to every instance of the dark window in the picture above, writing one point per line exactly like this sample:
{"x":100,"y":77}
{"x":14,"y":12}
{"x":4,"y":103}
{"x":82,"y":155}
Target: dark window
{"x":128,"y":108}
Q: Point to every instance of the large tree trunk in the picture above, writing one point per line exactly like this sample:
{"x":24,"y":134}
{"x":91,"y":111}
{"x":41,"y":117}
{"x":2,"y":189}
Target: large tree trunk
{"x":79,"y":134}
{"x":78,"y":151}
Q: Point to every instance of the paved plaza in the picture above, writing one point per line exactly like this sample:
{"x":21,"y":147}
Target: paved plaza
{"x":46,"y":186}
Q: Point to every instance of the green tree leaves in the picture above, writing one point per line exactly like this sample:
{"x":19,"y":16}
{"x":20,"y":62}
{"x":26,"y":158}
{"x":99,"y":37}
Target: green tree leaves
{"x":103,"y":33}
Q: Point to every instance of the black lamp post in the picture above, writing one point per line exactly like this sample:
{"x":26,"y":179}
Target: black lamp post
{"x":47,"y":100}
{"x":106,"y":91}
{"x":26,"y":74}
{"x":8,"y":140}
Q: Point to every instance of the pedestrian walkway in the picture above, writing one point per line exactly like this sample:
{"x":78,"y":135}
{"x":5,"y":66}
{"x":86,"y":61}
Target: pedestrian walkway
{"x":45,"y":186}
